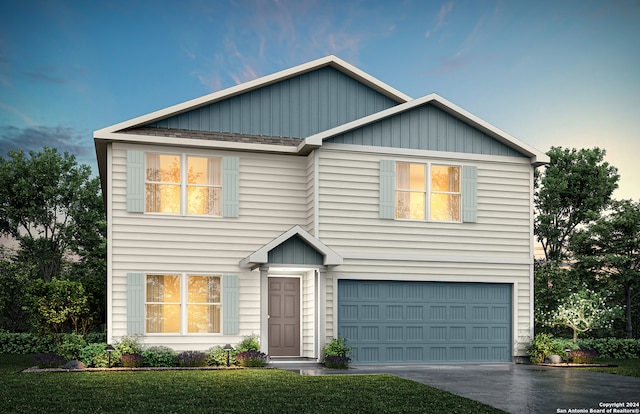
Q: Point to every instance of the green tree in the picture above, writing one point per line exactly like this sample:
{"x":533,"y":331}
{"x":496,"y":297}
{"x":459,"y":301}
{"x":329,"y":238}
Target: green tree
{"x":14,"y":283}
{"x":571,"y":191}
{"x":610,"y":248}
{"x":51,"y":206}
{"x":60,"y":306}
{"x":584,"y":310}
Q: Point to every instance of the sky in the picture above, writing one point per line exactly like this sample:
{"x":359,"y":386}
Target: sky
{"x":551,"y":73}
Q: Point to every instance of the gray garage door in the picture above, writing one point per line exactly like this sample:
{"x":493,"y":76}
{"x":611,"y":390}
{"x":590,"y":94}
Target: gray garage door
{"x":428,"y":322}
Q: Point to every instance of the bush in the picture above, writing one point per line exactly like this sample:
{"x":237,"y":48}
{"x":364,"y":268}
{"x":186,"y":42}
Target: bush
{"x":337,"y":362}
{"x":249,"y":343}
{"x":128,"y":345}
{"x":96,"y":337}
{"x":132,"y":360}
{"x":337,"y":347}
{"x":159,"y":356}
{"x":26,"y":343}
{"x":252,"y":359}
{"x":217,"y":356}
{"x":582,"y":356}
{"x":191,"y":359}
{"x":96,"y":355}
{"x":48,"y":361}
{"x":615,"y":348}
{"x":71,"y":346}
{"x":542,"y":346}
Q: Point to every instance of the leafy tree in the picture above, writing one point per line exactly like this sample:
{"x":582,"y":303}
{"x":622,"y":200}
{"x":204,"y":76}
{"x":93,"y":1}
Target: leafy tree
{"x":61,"y":305}
{"x":51,"y":206}
{"x":610,"y":247}
{"x":14,"y":283}
{"x":571,"y":191}
{"x":584,"y":310}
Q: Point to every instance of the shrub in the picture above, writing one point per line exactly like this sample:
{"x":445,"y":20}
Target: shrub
{"x":337,"y":347}
{"x":128,"y":345}
{"x":582,"y":356}
{"x":542,"y":346}
{"x":96,"y":337}
{"x":132,"y":360}
{"x":613,"y":347}
{"x":249,"y":343}
{"x":191,"y":359}
{"x":95,"y":355}
{"x":217,"y":356}
{"x":48,"y":360}
{"x":26,"y":343}
{"x":159,"y":356}
{"x":252,"y":359}
{"x":337,"y":362}
{"x":71,"y":346}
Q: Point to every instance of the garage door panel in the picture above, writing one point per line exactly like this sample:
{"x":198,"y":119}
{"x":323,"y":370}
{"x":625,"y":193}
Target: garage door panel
{"x":425,"y":321}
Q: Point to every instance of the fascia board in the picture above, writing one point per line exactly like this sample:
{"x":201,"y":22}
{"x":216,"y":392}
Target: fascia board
{"x":330,"y":60}
{"x":537,"y":157}
{"x":192,"y":143}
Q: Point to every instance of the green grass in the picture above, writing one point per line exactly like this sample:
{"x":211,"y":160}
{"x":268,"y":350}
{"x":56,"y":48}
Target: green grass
{"x":233,"y":391}
{"x":628,"y":367}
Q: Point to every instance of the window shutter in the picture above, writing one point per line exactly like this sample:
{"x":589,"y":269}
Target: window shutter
{"x":135,"y":303}
{"x":469,"y":194}
{"x":135,"y":181}
{"x":230,"y":304}
{"x":230,"y":186}
{"x":387,"y":189}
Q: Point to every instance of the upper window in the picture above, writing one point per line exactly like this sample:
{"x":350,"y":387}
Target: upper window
{"x":179,"y":184}
{"x":424,"y":190}
{"x":165,"y":304}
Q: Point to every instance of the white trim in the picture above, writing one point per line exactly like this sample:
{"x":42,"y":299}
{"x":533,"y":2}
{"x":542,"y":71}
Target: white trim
{"x":536,"y":157}
{"x":316,"y":194}
{"x":532,"y":255}
{"x":415,"y":154}
{"x":109,"y":218}
{"x":427,"y":258}
{"x":330,"y":60}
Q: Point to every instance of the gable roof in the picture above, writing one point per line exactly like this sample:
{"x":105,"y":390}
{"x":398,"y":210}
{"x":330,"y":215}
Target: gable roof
{"x":261,"y":256}
{"x":330,"y":60}
{"x":537,"y":157}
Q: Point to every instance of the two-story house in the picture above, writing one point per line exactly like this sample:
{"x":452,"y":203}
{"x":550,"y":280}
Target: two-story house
{"x":320,"y":202}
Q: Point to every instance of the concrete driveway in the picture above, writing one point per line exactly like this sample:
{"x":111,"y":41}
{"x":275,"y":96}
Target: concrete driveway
{"x":514,"y":388}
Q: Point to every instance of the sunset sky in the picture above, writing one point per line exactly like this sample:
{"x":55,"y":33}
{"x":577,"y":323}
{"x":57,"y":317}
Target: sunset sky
{"x":551,"y":73}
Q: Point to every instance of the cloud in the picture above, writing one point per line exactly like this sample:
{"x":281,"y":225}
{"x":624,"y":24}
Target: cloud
{"x":64,"y":139}
{"x":14,"y":111}
{"x":444,"y":11}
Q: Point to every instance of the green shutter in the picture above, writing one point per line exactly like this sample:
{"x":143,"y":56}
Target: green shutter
{"x":230,"y":304}
{"x":469,"y":194}
{"x":387,"y":189}
{"x":135,"y":303}
{"x":230,"y":186}
{"x":135,"y":181}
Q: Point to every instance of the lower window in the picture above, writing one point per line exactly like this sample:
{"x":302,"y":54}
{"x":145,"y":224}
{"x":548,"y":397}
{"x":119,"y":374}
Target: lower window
{"x":179,"y":303}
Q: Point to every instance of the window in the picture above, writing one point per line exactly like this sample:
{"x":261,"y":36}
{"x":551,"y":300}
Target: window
{"x":166,"y":304}
{"x":172,"y":189}
{"x":427,"y":190}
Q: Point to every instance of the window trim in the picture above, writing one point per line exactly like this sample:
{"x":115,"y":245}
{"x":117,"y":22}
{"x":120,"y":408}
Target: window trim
{"x":184,"y":304}
{"x":428,"y":191}
{"x":184,"y":184}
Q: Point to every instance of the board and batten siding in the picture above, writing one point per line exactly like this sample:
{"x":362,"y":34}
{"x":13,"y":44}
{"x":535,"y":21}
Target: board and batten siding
{"x":273,"y":197}
{"x":494,"y":249}
{"x":296,"y":107}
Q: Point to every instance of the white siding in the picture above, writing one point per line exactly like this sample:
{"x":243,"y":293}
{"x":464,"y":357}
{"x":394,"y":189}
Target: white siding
{"x":308,"y":314}
{"x":273,"y":198}
{"x":496,"y":249}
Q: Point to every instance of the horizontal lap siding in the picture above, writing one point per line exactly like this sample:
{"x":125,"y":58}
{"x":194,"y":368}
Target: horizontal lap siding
{"x":349,"y":223}
{"x":273,"y":198}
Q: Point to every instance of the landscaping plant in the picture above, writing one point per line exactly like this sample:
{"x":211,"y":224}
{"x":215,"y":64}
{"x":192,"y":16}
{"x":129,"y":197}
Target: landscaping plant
{"x":252,"y":359}
{"x":159,"y":356}
{"x":191,"y":359}
{"x":337,"y":353}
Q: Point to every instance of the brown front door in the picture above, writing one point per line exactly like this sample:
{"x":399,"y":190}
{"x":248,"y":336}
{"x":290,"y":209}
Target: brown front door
{"x":284,"y":316}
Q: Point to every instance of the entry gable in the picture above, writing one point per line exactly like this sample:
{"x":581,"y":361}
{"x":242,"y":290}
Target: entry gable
{"x":295,"y":246}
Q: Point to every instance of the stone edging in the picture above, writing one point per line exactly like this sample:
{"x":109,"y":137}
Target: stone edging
{"x":36,"y":369}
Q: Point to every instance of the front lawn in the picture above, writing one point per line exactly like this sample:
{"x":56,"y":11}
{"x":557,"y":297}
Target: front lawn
{"x":628,"y":367}
{"x":233,"y":391}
